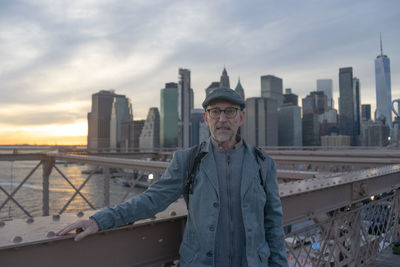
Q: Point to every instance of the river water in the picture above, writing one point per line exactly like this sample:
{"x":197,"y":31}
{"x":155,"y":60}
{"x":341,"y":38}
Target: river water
{"x":30,"y":194}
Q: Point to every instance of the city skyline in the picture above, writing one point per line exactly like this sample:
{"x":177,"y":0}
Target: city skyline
{"x":54,"y":57}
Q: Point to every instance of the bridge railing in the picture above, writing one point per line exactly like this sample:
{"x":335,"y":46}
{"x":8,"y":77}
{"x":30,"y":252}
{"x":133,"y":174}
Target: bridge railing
{"x":330,"y":221}
{"x":49,"y":169}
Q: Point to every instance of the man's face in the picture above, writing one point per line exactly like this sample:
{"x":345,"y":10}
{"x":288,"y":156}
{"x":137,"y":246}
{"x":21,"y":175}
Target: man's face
{"x":223,"y":128}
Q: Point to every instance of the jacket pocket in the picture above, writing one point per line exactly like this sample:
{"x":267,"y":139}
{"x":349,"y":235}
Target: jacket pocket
{"x":187,"y":254}
{"x":264,"y":253}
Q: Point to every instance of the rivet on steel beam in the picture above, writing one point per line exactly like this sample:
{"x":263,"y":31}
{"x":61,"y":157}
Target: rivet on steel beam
{"x":56,"y":217}
{"x":160,"y":240}
{"x":144,"y":238}
{"x":29,"y":220}
{"x":299,"y":190}
{"x":307,"y":188}
{"x":51,"y":234}
{"x":172,"y":213}
{"x":290,"y":191}
{"x":153,"y":218}
{"x":17,"y":239}
{"x":2,"y":224}
{"x":315,"y":186}
{"x":281,"y":193}
{"x":80,"y":214}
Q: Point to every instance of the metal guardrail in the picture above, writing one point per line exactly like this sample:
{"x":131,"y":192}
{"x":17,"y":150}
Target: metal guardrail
{"x":345,"y":228}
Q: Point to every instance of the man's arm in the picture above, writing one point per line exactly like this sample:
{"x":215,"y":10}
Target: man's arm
{"x":274,"y":233}
{"x":155,"y":199}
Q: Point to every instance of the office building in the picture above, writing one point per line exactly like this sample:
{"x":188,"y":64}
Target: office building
{"x":130,"y":133}
{"x":347,"y":104}
{"x":150,"y":135}
{"x":374,"y":134}
{"x":357,"y":107}
{"x":121,"y":112}
{"x":383,"y":89}
{"x":311,"y":130}
{"x":335,"y":141}
{"x":314,"y":105}
{"x":315,"y":102}
{"x":271,"y":87}
{"x":328,"y":123}
{"x":289,"y":125}
{"x":99,"y":120}
{"x":169,"y":115}
{"x":200,"y":130}
{"x":366,"y":112}
{"x":185,"y":105}
{"x":326,"y":86}
{"x":290,"y":98}
{"x":260,"y":126}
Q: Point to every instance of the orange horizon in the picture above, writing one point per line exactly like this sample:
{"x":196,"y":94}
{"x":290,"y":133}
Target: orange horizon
{"x":46,"y":140}
{"x":74,"y":133}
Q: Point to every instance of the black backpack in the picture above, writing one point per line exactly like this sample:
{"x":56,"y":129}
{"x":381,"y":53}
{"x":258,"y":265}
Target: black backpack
{"x":196,"y":155}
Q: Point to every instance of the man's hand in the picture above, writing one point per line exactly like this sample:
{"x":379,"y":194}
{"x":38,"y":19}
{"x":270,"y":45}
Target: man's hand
{"x":87,"y":227}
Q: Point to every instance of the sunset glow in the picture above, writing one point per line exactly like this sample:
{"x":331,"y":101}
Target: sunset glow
{"x":54,"y":134}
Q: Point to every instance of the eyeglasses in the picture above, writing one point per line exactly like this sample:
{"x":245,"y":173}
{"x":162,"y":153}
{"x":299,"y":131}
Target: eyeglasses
{"x":230,"y":112}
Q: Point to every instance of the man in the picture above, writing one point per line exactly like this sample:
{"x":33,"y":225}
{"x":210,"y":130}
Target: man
{"x":234,"y":215}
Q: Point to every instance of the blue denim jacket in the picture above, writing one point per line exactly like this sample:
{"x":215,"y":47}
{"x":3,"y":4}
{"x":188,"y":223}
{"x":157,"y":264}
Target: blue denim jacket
{"x":261,"y":209}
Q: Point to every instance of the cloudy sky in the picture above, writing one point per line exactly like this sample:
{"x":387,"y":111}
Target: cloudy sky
{"x":55,"y":54}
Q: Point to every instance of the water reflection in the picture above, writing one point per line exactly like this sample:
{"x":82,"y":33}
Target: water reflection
{"x":30,"y":194}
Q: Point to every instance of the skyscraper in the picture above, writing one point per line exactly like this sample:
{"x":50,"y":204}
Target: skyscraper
{"x":290,"y":98}
{"x":347,"y":103}
{"x":150,"y":135}
{"x":260,"y":126}
{"x":366,"y":112}
{"x":99,"y":120}
{"x":314,"y":105}
{"x":239,"y":89}
{"x":200,"y":130}
{"x":169,"y":115}
{"x":185,"y":105}
{"x":130,"y":133}
{"x":121,"y":112}
{"x":325,"y":85}
{"x":357,"y":107}
{"x":383,"y":89}
{"x":224,"y":81}
{"x":272,"y":87}
{"x":289,"y":125}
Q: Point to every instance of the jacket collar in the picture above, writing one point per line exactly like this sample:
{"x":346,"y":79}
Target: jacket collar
{"x":209,"y":166}
{"x":250,"y":167}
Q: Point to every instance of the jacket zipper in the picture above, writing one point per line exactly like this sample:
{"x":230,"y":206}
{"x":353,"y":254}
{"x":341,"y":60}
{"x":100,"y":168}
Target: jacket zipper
{"x":228,"y":189}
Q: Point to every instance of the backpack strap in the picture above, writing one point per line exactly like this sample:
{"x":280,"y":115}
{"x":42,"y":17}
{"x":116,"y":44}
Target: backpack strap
{"x":260,"y":156}
{"x":195,"y":156}
{"x":194,"y":159}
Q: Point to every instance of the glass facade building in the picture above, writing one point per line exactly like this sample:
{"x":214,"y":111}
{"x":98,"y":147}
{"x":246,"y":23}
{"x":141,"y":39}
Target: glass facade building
{"x":347,"y":104}
{"x":169,"y":115}
{"x":383,"y":90}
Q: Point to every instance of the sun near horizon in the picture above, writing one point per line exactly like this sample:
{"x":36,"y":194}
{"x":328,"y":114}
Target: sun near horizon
{"x":47,"y":134}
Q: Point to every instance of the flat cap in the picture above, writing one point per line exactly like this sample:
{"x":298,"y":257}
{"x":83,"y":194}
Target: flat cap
{"x":224,"y":94}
